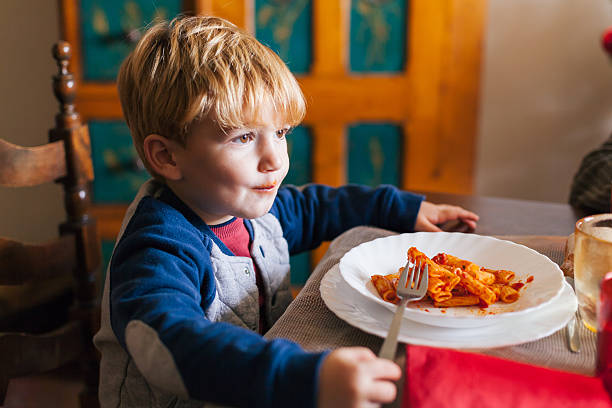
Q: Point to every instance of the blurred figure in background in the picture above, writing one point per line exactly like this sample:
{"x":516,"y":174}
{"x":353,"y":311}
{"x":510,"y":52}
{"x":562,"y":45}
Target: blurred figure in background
{"x":591,"y":187}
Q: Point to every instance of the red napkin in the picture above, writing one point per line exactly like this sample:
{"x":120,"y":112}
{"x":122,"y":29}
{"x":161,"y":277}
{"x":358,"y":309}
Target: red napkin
{"x":449,"y":378}
{"x":604,"y":334}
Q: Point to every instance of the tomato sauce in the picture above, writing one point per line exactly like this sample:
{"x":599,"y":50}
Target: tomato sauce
{"x":517,"y":285}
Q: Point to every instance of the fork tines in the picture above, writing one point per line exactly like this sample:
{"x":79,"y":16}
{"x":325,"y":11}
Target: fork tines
{"x":416,"y":276}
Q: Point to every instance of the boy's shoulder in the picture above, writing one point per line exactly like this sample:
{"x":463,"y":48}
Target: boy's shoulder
{"x":159,"y":213}
{"x":157,"y":233}
{"x":153,"y":211}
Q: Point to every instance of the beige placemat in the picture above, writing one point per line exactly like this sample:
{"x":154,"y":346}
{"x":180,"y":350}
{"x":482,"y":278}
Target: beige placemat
{"x":310,"y":323}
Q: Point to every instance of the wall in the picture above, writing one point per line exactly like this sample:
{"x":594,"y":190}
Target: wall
{"x":546,"y":99}
{"x":546,"y":96}
{"x":27,"y":110}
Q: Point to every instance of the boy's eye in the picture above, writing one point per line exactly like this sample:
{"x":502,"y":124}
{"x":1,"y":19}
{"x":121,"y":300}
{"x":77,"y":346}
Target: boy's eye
{"x":244,"y":139}
{"x":281,"y":133}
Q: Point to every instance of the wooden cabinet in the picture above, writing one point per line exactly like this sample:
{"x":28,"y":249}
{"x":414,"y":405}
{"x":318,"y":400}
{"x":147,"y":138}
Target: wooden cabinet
{"x":391,"y":87}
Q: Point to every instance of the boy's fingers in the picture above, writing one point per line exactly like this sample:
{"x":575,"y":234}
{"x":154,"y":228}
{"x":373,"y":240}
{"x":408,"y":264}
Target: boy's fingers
{"x":363,"y":353}
{"x":459,"y":212}
{"x":469,"y":219}
{"x":429,"y":227}
{"x":470,"y":223}
{"x":382,"y":388}
{"x":381,"y":391}
{"x":468,"y":214}
{"x":423,"y":223}
{"x":381,"y":369}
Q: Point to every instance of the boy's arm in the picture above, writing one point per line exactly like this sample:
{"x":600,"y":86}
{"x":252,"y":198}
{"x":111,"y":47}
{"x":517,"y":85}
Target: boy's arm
{"x":157,"y":317}
{"x":317,"y":213}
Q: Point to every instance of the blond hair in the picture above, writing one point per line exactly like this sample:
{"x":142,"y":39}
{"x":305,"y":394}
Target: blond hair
{"x":192,"y":67}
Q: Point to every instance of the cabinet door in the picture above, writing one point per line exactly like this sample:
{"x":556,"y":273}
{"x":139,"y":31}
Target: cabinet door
{"x":109,"y":30}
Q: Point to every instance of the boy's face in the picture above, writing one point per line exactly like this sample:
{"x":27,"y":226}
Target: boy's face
{"x":232,"y":173}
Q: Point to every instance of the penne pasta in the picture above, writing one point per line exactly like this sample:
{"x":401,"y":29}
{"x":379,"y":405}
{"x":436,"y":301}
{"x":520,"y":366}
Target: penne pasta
{"x":468,"y":300}
{"x":508,"y":294}
{"x":496,"y":288}
{"x":441,"y":296}
{"x":385,"y":288}
{"x":455,"y":282}
{"x":435,"y":271}
{"x":435,"y":285}
{"x":501,"y":275}
{"x":476,"y":287}
{"x":474,"y":270}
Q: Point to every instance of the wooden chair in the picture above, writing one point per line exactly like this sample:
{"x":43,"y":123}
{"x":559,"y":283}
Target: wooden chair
{"x":76,"y":253}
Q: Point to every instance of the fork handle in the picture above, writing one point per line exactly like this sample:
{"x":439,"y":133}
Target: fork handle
{"x":388,"y":348}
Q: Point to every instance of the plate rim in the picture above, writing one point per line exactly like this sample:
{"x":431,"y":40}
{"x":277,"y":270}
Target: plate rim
{"x":418,"y":315}
{"x":538,"y":316}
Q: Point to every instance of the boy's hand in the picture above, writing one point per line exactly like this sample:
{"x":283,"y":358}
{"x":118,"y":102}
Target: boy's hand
{"x":431,"y":215}
{"x":355,"y":377}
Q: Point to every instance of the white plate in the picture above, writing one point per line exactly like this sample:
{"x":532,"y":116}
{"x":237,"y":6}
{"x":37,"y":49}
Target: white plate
{"x":386,"y":255}
{"x":374,"y":319}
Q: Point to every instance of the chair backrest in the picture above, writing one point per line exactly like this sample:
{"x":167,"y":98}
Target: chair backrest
{"x":75,"y":254}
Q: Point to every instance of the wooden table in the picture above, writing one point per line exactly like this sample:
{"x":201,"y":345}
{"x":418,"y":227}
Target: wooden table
{"x":507,"y":216}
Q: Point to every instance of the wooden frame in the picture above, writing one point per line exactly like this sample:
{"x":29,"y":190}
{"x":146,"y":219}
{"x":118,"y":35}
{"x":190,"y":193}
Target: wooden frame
{"x":435,"y":100}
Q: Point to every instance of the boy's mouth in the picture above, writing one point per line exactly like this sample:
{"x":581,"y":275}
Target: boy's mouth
{"x":266,"y":187}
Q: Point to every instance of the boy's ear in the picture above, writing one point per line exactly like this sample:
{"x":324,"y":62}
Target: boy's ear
{"x":159,"y":154}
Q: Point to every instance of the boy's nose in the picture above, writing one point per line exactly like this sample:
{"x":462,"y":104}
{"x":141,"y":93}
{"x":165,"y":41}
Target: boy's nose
{"x":272,"y":152}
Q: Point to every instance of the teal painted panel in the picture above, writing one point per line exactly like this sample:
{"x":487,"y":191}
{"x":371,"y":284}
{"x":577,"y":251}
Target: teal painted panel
{"x":107,"y":252}
{"x":300,"y":268}
{"x":378,"y":35}
{"x":374,"y":154}
{"x":285,"y":27}
{"x":117,"y":168}
{"x":299,"y":145}
{"x":109,"y":29}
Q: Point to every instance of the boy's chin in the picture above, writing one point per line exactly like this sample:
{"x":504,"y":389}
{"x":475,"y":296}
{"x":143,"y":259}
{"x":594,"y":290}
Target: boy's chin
{"x":252,"y":213}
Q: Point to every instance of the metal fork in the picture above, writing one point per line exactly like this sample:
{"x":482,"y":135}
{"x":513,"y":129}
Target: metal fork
{"x":572,"y":329}
{"x":412,"y":286}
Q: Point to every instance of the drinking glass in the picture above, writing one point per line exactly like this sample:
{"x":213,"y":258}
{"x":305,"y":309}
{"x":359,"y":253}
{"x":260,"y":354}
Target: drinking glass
{"x":592,"y":260}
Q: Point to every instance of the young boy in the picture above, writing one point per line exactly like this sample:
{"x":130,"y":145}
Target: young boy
{"x":201,"y":266}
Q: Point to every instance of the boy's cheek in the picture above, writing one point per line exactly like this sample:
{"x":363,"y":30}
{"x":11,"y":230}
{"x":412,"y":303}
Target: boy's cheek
{"x":285,"y":172}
